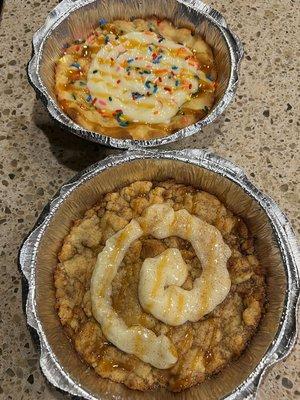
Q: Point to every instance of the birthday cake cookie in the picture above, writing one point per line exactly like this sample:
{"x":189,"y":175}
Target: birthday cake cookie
{"x":139,"y":79}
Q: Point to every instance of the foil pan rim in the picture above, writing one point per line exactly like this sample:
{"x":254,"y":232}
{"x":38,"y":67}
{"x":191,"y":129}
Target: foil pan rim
{"x":287,"y":331}
{"x":63,"y":9}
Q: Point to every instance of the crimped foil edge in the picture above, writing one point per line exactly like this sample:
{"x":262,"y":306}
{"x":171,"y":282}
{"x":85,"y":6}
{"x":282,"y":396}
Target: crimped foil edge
{"x":286,"y":334}
{"x":236,"y":54}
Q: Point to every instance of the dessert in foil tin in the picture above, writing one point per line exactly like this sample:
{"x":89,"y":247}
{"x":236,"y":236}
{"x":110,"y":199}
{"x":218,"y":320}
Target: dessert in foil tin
{"x":158,"y":285}
{"x":139,"y":79}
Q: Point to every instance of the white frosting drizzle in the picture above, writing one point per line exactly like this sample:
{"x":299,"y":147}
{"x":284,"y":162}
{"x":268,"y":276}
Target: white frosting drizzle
{"x":161,"y":277}
{"x":142,"y":342}
{"x":145,"y":77}
{"x":172,"y":305}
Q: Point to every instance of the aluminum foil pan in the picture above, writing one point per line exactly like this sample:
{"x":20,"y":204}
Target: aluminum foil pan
{"x":276,"y":248}
{"x":73,"y":19}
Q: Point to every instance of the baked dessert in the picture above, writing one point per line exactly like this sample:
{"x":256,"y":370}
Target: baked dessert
{"x":139,"y":79}
{"x":158,"y":285}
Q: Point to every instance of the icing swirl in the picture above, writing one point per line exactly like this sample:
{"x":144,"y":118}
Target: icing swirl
{"x":161,"y":278}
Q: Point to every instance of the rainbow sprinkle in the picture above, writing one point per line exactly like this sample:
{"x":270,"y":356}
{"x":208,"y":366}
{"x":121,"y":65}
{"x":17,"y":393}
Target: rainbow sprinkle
{"x":157,"y":59}
{"x":137,"y":95}
{"x":120,"y":118}
{"x":75,"y":65}
{"x":102,"y":102}
{"x":102,"y":21}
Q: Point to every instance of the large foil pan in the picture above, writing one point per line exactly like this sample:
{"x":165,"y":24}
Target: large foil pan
{"x":275,"y":244}
{"x":71,"y":20}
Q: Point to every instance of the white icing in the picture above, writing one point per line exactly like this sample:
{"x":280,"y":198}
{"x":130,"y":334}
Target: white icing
{"x":142,"y":342}
{"x":112,"y":88}
{"x":161,"y":278}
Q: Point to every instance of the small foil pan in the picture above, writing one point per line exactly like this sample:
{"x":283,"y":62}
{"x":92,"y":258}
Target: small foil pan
{"x":71,"y":20}
{"x":276,"y":248}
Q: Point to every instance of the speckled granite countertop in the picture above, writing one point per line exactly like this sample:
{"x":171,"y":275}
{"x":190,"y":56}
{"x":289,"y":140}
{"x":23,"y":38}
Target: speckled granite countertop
{"x":259,"y":132}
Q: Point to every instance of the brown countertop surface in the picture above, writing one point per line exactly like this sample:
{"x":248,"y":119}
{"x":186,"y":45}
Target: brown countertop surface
{"x":259,"y":132}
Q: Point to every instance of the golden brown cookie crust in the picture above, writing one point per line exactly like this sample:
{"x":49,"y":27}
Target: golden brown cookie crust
{"x":204,"y":347}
